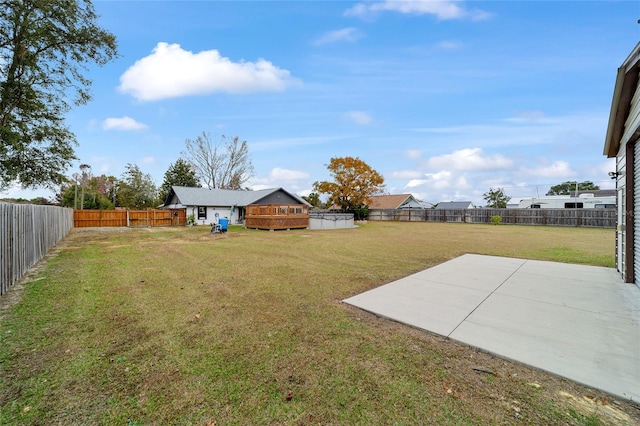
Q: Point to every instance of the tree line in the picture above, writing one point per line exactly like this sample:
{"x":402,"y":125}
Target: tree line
{"x":222,"y":164}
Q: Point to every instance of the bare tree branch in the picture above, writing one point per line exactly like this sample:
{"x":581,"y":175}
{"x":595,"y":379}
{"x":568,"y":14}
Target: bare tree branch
{"x":223,"y":165}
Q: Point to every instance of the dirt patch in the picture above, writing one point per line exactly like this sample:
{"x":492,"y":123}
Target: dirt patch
{"x":10,"y":298}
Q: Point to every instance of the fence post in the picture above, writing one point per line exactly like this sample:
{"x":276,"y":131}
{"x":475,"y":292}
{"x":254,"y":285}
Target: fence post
{"x":578,"y":217}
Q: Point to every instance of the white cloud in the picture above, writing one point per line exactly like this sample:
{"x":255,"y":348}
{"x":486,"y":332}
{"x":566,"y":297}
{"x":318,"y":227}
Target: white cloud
{"x":349,"y":34}
{"x":416,"y":183}
{"x":305,"y":192}
{"x":413,"y":153}
{"x":449,"y":45}
{"x":148,"y":160}
{"x":527,"y":116}
{"x":442,"y":9}
{"x":440,"y":186}
{"x":406,"y":174}
{"x":259,"y":187}
{"x":609,"y":165}
{"x":441,"y":180}
{"x":295,"y":181}
{"x":170,"y":71}
{"x":122,"y":123}
{"x":469,"y":159}
{"x":359,"y":117}
{"x":278,"y":173}
{"x":100,"y":164}
{"x":558,"y":169}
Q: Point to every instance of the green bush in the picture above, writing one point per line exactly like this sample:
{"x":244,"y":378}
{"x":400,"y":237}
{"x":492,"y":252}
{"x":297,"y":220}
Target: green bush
{"x":496,"y":220}
{"x":361,"y":212}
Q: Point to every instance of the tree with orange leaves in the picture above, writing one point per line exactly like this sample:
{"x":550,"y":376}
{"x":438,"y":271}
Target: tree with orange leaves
{"x":354,"y":181}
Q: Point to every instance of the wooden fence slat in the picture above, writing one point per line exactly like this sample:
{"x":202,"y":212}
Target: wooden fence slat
{"x":27,"y":232}
{"x":133,"y":218}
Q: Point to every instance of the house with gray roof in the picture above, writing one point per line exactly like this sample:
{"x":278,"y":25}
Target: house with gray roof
{"x":205,"y":203}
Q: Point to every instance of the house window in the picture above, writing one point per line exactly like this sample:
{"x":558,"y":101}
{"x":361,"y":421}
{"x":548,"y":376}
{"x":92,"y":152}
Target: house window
{"x":573,"y":205}
{"x":202,"y":213}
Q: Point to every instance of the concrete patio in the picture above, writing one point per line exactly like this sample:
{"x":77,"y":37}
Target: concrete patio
{"x":575,"y":321}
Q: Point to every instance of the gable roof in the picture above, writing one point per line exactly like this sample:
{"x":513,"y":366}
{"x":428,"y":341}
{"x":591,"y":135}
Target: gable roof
{"x":222,"y":197}
{"x":623,"y":91}
{"x":454,"y":205}
{"x":397,"y":201}
{"x":388,"y":201}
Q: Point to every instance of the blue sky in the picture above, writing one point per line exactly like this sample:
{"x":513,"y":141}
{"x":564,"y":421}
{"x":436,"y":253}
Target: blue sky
{"x":445,"y":99}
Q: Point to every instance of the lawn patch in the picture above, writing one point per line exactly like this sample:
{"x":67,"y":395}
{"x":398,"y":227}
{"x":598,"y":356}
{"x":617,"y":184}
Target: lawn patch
{"x":155,"y":326}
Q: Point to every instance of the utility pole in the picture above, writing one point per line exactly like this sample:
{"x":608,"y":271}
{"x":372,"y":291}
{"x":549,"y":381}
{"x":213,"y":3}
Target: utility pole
{"x":83,"y":167}
{"x":75,"y":196}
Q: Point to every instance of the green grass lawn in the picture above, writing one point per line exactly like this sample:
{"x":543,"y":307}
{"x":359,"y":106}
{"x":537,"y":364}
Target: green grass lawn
{"x":179,"y":326}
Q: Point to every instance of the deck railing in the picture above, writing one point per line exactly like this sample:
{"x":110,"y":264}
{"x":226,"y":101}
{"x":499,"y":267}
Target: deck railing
{"x":277,"y":216}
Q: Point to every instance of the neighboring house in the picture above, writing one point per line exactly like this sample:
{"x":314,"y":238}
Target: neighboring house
{"x":204,"y":203}
{"x":400,"y":201}
{"x":598,"y":198}
{"x":514,"y":202}
{"x":455,"y":205}
{"x":584,"y":200}
{"x":623,"y":143}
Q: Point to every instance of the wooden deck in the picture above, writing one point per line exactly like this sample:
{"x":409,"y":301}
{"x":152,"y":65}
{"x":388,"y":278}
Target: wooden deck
{"x":277,"y":216}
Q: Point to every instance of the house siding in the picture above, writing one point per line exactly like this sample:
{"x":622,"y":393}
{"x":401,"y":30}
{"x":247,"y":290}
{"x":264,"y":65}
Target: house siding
{"x":621,"y":141}
{"x":226,"y":203}
{"x":211,"y":214}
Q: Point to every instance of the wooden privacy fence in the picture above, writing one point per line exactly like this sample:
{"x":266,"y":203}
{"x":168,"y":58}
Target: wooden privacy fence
{"x":596,"y":218}
{"x":101,"y":218}
{"x":27,"y":232}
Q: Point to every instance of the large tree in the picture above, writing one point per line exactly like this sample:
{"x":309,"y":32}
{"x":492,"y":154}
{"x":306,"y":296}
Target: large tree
{"x":180,"y":173}
{"x":565,"y":188}
{"x":354,"y":181}
{"x":496,"y":198}
{"x":225,"y":164}
{"x":136,"y":190}
{"x":313,"y":199}
{"x":89,"y":192}
{"x":46,"y":47}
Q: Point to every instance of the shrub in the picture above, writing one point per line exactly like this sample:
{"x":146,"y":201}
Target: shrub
{"x":361,"y":212}
{"x":496,"y":220}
